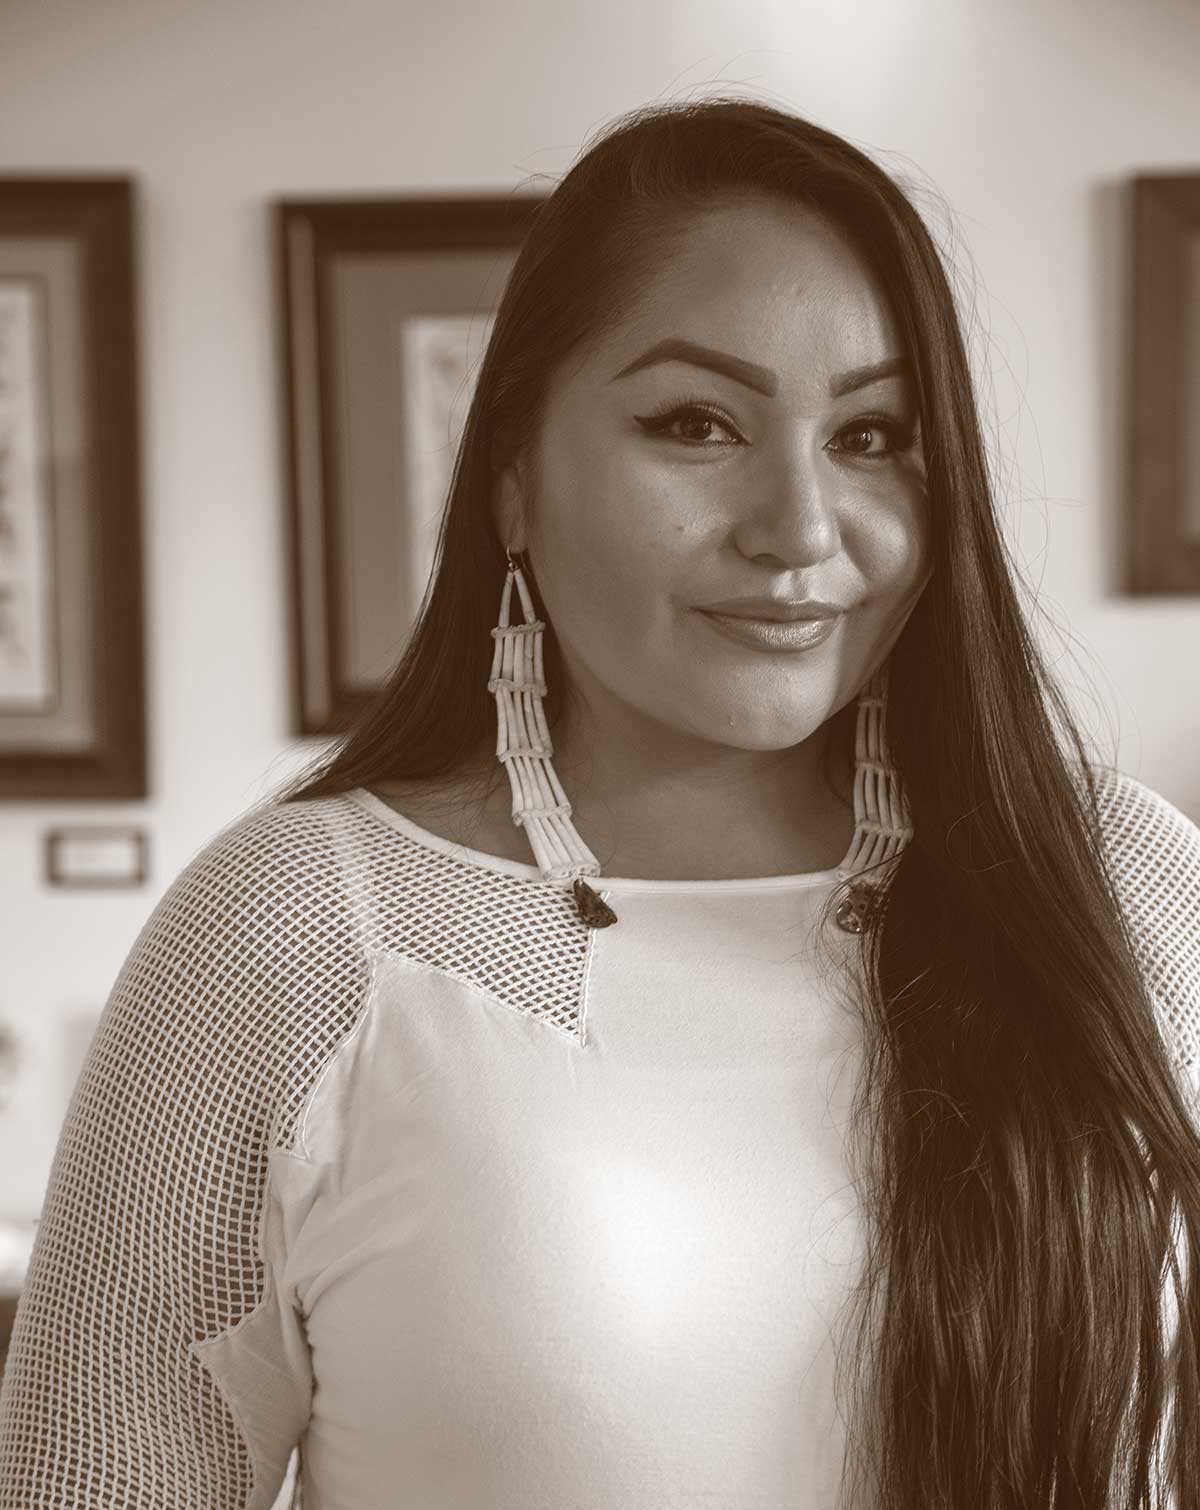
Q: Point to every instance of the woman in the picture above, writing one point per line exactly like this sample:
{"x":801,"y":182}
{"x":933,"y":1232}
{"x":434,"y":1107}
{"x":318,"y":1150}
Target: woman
{"x":519,"y":1110}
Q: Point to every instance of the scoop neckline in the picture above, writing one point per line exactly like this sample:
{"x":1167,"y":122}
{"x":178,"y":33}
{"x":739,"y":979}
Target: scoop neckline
{"x":376,"y":808}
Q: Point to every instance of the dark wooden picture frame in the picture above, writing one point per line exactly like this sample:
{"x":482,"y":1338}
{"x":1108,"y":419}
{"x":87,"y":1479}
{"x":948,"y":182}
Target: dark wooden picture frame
{"x":1164,"y":504}
{"x":72,"y":652}
{"x":386,"y":305}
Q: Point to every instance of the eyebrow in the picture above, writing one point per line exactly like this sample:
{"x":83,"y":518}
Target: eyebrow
{"x":675,"y":349}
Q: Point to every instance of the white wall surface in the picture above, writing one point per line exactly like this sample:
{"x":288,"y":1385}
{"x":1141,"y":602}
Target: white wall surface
{"x":1022,"y":122}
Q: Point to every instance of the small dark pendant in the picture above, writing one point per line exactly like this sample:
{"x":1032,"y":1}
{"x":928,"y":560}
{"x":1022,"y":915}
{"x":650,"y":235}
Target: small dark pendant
{"x":593,"y":909}
{"x":854,"y":910}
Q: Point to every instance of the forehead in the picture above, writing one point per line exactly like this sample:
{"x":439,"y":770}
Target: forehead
{"x":771,"y":282}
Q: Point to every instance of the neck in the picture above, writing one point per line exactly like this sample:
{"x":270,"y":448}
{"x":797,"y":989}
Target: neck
{"x":705,"y":814}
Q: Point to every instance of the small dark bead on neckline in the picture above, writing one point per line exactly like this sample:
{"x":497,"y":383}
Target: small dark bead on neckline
{"x":593,"y":909}
{"x":854,"y":911}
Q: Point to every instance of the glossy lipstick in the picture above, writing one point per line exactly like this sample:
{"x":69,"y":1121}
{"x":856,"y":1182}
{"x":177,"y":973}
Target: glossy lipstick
{"x":773,"y":634}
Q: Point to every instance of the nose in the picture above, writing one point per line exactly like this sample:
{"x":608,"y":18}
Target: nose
{"x":794,"y":518}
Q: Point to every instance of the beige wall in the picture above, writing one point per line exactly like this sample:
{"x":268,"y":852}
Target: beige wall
{"x":1025,"y":118}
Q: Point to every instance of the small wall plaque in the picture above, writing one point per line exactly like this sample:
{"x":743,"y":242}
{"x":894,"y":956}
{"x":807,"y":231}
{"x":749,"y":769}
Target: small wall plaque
{"x":96,"y":855}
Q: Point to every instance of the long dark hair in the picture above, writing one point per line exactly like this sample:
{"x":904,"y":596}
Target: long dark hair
{"x":1026,"y":1143}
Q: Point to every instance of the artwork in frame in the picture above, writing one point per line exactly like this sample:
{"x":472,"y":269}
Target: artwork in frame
{"x":1164,"y":511}
{"x":387,"y":306}
{"x":72,"y":714}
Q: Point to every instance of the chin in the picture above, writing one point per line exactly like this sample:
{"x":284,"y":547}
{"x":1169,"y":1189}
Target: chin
{"x":748,"y":733}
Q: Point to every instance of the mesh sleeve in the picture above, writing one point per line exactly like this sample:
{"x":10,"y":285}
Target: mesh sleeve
{"x":1154,"y":851}
{"x":239,"y":984}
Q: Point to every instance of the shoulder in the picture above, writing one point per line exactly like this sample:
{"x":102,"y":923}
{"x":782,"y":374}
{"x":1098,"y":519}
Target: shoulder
{"x":249,"y":969}
{"x":1153,"y":850}
{"x":261,"y":905}
{"x":278,"y":850}
{"x":1153,"y":844}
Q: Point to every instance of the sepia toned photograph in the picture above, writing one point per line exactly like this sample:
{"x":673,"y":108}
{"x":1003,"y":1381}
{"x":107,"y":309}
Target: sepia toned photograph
{"x":599,"y":646}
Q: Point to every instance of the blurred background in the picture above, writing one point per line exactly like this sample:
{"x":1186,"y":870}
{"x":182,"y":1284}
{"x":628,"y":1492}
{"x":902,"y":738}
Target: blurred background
{"x":1020,"y":127}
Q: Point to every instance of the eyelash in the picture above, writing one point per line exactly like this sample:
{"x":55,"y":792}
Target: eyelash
{"x":900,"y":436}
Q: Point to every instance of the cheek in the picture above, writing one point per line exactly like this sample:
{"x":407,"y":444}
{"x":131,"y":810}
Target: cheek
{"x":597,"y":581}
{"x":591,"y":508}
{"x":618,"y":555}
{"x":893,"y":544}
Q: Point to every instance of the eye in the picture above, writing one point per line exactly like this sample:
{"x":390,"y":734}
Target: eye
{"x":689,"y":412}
{"x":696,"y":413}
{"x":900,"y":436}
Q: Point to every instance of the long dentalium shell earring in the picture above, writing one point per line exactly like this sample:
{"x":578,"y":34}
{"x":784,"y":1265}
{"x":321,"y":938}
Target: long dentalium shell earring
{"x":542,"y":808}
{"x":882,"y":823}
{"x":540,"y":805}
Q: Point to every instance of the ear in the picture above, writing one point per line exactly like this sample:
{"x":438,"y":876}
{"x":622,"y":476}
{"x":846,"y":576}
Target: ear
{"x":508,"y":509}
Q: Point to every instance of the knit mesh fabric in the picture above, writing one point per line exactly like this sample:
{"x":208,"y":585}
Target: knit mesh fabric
{"x":242,"y":983}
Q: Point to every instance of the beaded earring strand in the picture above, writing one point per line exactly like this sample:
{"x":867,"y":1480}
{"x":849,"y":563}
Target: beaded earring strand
{"x":540,"y":805}
{"x":882,"y":826}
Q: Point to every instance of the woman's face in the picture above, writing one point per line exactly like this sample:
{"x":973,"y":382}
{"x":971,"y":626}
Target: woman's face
{"x":783,"y":484}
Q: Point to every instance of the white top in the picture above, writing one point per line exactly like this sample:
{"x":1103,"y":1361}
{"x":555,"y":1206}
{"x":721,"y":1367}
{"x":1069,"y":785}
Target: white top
{"x":380,"y":1153}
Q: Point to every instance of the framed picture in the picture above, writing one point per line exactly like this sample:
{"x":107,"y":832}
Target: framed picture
{"x":72,"y":715}
{"x":387,"y":306}
{"x":1164,"y":513}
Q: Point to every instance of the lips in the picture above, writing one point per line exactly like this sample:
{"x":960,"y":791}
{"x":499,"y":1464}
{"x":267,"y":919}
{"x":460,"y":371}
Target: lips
{"x":772,"y":634}
{"x":763,"y":617}
{"x":776,"y":610}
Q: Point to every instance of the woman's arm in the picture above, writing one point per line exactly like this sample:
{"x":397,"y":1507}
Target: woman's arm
{"x":146,"y":1283}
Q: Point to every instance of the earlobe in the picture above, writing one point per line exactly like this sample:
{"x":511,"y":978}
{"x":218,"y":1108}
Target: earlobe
{"x":508,"y":512}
